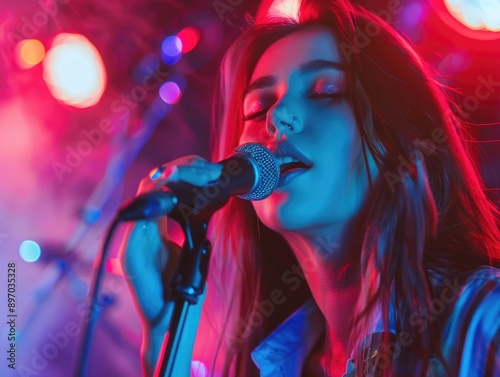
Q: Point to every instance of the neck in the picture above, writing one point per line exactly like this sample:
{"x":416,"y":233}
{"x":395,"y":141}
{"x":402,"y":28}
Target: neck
{"x":325,"y":258}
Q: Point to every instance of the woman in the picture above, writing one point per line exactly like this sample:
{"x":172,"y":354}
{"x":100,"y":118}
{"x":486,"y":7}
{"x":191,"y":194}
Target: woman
{"x":378,"y":255}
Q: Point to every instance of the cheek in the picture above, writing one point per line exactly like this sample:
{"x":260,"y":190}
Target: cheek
{"x":337,"y":149}
{"x":255,"y":133}
{"x":246,"y":137}
{"x":335,"y":138}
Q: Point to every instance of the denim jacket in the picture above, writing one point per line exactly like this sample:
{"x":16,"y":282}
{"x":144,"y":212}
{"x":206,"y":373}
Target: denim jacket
{"x":470,"y":339}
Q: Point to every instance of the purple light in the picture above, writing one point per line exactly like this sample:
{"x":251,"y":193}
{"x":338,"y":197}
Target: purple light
{"x":460,"y":62}
{"x":171,"y":49}
{"x":413,"y":14}
{"x":170,"y":92}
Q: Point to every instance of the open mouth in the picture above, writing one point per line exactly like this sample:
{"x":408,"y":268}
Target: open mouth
{"x":288,"y":164}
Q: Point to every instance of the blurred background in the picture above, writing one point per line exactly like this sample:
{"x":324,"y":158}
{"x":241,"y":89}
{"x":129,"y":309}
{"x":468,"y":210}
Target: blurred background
{"x":94,"y":94}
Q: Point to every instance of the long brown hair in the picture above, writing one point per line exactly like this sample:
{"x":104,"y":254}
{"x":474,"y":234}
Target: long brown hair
{"x":425,"y":224}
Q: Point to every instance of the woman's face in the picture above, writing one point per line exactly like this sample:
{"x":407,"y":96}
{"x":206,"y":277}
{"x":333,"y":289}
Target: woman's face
{"x":298,"y":92}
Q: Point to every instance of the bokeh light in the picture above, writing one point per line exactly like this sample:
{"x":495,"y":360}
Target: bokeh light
{"x":30,"y":251}
{"x":189,"y":38}
{"x":476,"y":14}
{"x":171,"y":50}
{"x":413,"y":14}
{"x":198,"y":369}
{"x":170,"y":92}
{"x":74,"y":71}
{"x":284,"y":8}
{"x":460,"y":61}
{"x":30,"y":52}
{"x":91,"y":214}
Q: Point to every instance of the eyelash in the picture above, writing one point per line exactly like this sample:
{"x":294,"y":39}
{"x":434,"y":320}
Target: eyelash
{"x":324,"y":97}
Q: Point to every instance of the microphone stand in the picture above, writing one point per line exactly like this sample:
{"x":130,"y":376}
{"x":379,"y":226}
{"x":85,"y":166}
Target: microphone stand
{"x":189,"y":281}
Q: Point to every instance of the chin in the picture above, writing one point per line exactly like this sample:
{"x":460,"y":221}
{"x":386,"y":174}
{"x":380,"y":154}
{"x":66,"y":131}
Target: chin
{"x":279,"y":214}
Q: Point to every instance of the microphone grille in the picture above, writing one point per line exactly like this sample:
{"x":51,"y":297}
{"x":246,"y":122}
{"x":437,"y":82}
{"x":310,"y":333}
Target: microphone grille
{"x":267,"y":172}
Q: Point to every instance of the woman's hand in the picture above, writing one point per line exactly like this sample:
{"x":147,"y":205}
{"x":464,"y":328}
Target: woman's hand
{"x":150,"y":257}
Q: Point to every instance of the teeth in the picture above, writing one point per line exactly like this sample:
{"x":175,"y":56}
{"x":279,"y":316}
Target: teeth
{"x":285,"y":160}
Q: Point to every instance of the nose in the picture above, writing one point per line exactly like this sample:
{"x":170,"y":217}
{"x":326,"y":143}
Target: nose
{"x":281,"y":122}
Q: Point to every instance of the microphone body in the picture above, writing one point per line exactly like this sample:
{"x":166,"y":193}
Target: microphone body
{"x":251,"y":173}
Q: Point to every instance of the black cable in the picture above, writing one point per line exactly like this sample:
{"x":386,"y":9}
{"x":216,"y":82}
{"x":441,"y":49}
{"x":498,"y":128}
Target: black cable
{"x":91,"y":318}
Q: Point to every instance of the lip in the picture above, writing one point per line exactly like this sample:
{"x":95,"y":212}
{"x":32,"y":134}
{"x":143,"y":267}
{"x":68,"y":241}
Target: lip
{"x":285,"y":148}
{"x":289,"y":176}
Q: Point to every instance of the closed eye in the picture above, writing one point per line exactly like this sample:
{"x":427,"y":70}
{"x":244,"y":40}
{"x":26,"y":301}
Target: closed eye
{"x":323,"y":97}
{"x":328,"y":96}
{"x":255,"y":116}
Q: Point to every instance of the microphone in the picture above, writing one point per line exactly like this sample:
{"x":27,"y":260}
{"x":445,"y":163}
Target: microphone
{"x":251,"y":172}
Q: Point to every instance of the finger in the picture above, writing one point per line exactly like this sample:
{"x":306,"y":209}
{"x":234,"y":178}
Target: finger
{"x":194,"y":175}
{"x":201,"y":162}
{"x":192,"y":160}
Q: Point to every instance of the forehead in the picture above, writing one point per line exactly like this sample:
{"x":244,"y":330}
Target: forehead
{"x":285,"y":55}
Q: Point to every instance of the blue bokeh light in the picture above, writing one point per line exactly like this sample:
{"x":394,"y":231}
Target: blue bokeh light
{"x":171,"y":50}
{"x":30,"y":251}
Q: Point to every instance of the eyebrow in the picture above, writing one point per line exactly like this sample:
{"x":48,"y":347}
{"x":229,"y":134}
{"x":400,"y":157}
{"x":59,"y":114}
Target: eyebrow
{"x":260,"y":83}
{"x":309,"y":67}
{"x":320,"y":65}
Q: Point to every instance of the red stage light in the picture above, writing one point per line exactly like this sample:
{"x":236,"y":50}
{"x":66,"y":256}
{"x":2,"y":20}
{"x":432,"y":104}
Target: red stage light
{"x":189,"y":37}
